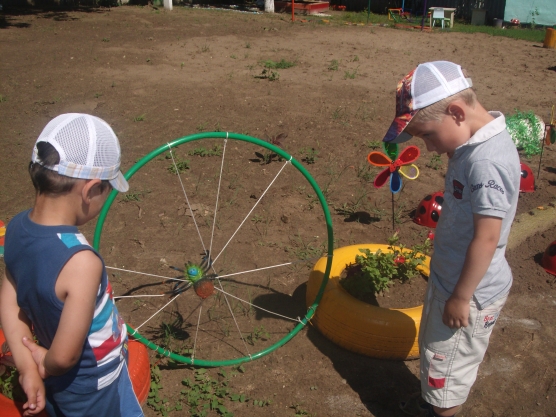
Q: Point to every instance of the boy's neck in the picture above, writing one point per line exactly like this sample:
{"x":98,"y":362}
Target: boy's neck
{"x":478,"y":117}
{"x":54,"y":210}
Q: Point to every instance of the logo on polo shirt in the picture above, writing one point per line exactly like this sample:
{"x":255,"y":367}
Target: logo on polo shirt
{"x":458,"y":189}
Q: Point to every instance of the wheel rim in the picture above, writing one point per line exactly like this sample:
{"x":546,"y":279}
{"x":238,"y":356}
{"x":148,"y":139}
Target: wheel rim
{"x":300,"y":171}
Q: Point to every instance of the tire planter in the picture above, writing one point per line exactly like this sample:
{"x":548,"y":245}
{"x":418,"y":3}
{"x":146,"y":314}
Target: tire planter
{"x":139,"y":372}
{"x":357,"y":326}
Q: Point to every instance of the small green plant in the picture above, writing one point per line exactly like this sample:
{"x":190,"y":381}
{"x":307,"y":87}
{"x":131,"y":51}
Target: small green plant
{"x":179,"y":165}
{"x":269,"y":74}
{"x":248,"y":45}
{"x":154,"y":400}
{"x":201,"y":127}
{"x":534,"y":14}
{"x":98,"y":95}
{"x":233,"y":56}
{"x":205,"y":48}
{"x":267,"y":156}
{"x":106,"y":39}
{"x":9,"y":384}
{"x":309,"y":155}
{"x":375,"y":272}
{"x":435,"y":162}
{"x":216,"y":150}
{"x":205,"y":393}
{"x":261,"y":403}
{"x":373,"y":144}
{"x":258,"y":334}
{"x":300,"y":412}
{"x":350,"y":74}
{"x":334,"y":64}
{"x":132,"y":197}
{"x":3,"y":98}
{"x":282,"y":64}
{"x":140,"y":118}
{"x":364,"y":172}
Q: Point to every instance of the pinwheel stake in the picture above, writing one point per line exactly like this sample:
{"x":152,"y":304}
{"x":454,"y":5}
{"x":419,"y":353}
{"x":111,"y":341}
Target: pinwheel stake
{"x":549,"y":137}
{"x":394,"y":167}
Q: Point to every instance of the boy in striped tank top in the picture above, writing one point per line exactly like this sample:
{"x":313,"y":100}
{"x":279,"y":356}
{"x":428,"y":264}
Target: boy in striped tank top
{"x":55,"y":285}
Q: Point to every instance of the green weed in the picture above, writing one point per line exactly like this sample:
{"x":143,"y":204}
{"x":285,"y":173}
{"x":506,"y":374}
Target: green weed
{"x":106,"y":39}
{"x":179,"y":165}
{"x":373,"y":144}
{"x":350,"y":74}
{"x":258,"y":334}
{"x":282,"y":64}
{"x":216,"y":150}
{"x":435,"y":162}
{"x":3,"y":98}
{"x":140,"y":118}
{"x":309,"y":155}
{"x":269,"y":74}
{"x":334,"y":64}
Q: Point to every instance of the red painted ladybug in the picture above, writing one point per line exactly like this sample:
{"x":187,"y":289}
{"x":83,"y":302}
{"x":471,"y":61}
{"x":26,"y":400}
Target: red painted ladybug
{"x":549,"y":259}
{"x":428,"y":211}
{"x":527,"y":182}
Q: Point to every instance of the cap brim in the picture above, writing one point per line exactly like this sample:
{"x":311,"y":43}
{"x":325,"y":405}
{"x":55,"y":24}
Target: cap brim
{"x":396,"y":133}
{"x":120,"y":183}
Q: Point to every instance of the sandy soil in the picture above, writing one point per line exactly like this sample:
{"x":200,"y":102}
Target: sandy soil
{"x":156,"y":76}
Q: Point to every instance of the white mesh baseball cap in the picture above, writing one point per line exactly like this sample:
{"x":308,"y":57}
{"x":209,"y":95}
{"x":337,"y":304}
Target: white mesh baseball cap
{"x":88,"y":148}
{"x":425,"y":85}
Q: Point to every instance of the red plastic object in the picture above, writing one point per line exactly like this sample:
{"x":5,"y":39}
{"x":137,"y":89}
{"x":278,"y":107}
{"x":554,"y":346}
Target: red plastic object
{"x":527,"y":182}
{"x":548,"y":261}
{"x":429,"y":209}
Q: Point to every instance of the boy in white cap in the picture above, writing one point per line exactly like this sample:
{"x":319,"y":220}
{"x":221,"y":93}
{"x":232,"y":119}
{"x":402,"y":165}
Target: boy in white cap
{"x":55,"y":285}
{"x":470,"y":277}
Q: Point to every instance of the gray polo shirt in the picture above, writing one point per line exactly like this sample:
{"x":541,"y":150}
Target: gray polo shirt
{"x":483,"y":177}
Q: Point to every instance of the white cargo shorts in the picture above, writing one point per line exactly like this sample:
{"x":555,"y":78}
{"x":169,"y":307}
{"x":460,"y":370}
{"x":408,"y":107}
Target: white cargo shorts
{"x":450,"y":358}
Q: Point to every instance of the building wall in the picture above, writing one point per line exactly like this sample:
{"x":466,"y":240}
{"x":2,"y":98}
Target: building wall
{"x":526,"y":11}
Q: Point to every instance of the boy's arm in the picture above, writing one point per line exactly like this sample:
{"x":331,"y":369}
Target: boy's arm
{"x":477,"y":260}
{"x":16,"y":326}
{"x":77,"y":286}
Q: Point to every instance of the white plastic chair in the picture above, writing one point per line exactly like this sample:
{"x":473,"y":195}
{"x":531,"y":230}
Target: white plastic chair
{"x":438,"y":14}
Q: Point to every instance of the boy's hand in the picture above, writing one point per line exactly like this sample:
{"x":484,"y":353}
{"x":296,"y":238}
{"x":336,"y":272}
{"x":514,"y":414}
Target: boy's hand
{"x":38,"y":353}
{"x":33,"y":387}
{"x":456,"y":313}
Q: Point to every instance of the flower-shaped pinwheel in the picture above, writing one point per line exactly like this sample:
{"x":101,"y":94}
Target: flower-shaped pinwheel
{"x":395,"y":165}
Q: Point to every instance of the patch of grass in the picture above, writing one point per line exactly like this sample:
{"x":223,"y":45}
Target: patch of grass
{"x":216,"y":150}
{"x":282,"y":64}
{"x":106,"y":39}
{"x":350,"y":74}
{"x":373,"y":144}
{"x":136,"y":196}
{"x":333,"y":66}
{"x":269,"y":74}
{"x":435,"y":162}
{"x":201,"y":127}
{"x":248,"y":45}
{"x":309,"y":155}
{"x":140,"y":118}
{"x":179,"y":165}
{"x":3,"y":98}
{"x":98,"y":95}
{"x":205,"y":48}
{"x":258,"y":334}
{"x":526,"y":34}
{"x":364,"y":172}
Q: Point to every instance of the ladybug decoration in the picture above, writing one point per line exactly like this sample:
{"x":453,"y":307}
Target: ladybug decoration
{"x":527,"y":182}
{"x":429,"y":209}
{"x":548,"y":261}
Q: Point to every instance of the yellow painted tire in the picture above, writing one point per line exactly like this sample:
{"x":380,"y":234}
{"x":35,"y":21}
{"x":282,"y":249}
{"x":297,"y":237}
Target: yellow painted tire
{"x":355,"y":325}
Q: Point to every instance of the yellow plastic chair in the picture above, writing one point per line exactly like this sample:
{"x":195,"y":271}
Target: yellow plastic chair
{"x":438,"y":14}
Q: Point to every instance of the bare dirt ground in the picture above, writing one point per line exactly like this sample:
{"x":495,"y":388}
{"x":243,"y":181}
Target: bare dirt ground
{"x":156,"y":76}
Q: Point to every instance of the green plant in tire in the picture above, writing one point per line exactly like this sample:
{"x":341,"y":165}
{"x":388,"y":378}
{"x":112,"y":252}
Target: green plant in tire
{"x":375,"y":272}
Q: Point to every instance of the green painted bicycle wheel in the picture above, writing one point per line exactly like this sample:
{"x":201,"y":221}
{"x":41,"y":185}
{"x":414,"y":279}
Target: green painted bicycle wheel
{"x":238,"y":210}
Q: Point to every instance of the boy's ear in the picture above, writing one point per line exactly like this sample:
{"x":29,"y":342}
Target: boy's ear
{"x":456,"y":111}
{"x":90,"y":189}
